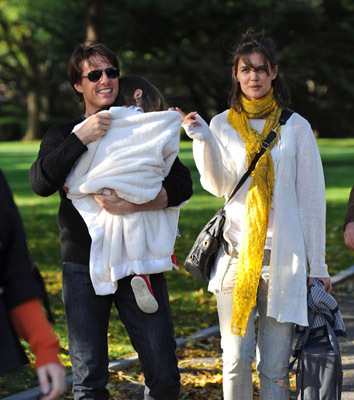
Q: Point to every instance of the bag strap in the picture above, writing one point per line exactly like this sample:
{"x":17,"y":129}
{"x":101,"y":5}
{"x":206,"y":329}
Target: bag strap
{"x":332,"y":338}
{"x":334,"y":341}
{"x":308,"y":328}
{"x":335,"y":346}
{"x":284,"y":116}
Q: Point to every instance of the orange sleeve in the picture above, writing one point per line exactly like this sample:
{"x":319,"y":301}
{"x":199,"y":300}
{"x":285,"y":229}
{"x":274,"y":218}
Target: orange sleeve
{"x":30,"y":324}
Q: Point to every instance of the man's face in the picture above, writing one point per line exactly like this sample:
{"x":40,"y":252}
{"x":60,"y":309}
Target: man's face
{"x":97,"y":95}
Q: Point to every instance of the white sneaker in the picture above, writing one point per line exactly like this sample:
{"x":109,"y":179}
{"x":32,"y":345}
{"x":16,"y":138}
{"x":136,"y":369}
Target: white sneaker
{"x":144,"y":295}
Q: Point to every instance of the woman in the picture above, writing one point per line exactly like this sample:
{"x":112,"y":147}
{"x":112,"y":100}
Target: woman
{"x":275,"y":225}
{"x":20,"y":307}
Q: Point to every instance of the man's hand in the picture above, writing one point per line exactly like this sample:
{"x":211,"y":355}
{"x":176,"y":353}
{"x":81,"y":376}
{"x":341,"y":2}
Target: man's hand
{"x":349,"y":235}
{"x":117,"y":206}
{"x":95,"y":127}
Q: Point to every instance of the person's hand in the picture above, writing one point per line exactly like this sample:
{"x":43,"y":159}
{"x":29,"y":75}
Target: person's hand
{"x":95,"y":127}
{"x":326,"y":283}
{"x":114,"y":204}
{"x":117,"y":206}
{"x":189,"y":119}
{"x":51,"y":380}
{"x":349,"y":235}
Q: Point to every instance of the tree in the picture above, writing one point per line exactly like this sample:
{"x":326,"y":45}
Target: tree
{"x":184,"y":47}
{"x":30,"y":54}
{"x":95,"y":20}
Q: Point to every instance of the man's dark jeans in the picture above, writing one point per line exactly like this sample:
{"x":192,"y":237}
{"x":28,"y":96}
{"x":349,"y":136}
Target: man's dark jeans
{"x":151,"y":335}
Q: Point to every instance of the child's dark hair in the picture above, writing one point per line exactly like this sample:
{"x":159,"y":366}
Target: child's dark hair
{"x":252,"y":42}
{"x":152,"y":99}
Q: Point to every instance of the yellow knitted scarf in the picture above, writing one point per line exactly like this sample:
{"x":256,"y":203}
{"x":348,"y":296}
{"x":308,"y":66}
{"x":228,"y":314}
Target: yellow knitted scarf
{"x":257,"y":205}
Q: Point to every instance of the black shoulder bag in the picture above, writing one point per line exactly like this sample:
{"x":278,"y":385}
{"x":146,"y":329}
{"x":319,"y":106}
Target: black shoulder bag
{"x":201,"y":258}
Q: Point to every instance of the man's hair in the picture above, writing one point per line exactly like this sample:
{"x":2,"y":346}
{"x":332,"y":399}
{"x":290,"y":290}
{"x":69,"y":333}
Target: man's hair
{"x":152,"y":99}
{"x":83,"y":52}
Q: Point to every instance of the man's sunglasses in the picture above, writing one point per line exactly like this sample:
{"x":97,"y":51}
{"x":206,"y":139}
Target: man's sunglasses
{"x":95,"y":75}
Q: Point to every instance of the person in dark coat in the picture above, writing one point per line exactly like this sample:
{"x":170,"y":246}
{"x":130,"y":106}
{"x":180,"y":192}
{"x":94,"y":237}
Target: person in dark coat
{"x":21,"y":311}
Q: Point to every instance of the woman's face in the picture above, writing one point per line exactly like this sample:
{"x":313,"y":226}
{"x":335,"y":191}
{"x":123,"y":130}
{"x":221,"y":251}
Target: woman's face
{"x":254,"y":82}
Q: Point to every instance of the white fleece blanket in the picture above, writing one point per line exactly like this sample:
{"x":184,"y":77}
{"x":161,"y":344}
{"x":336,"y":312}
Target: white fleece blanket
{"x":133,"y":158}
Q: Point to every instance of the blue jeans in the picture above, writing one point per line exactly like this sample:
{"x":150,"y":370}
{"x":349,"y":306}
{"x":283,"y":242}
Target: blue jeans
{"x":273,"y":351}
{"x":151,"y":335}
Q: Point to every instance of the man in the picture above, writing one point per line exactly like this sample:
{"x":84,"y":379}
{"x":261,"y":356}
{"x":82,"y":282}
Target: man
{"x":349,"y":222}
{"x":93,"y":73}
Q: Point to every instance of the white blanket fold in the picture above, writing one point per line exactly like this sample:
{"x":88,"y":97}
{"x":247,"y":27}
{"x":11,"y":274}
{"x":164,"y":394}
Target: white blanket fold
{"x":133,"y":158}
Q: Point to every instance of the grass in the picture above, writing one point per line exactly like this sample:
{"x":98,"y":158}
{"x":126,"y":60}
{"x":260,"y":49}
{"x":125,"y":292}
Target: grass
{"x":193,"y":307}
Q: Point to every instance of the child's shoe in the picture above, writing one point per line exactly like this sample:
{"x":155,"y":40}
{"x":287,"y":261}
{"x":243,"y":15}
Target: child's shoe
{"x":175,"y":263}
{"x":143,"y":294}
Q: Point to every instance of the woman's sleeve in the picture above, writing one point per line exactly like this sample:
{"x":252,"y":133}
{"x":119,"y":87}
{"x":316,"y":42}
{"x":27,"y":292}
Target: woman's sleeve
{"x":310,"y":188}
{"x":209,"y":156}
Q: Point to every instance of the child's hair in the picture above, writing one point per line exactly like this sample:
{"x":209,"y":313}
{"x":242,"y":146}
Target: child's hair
{"x":151,"y":100}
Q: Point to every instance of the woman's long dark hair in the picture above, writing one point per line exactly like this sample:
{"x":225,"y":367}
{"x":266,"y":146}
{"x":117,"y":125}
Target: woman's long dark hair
{"x":252,"y":42}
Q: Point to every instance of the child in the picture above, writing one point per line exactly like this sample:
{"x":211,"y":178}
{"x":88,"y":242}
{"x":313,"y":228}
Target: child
{"x":113,"y":157}
{"x":137,"y":93}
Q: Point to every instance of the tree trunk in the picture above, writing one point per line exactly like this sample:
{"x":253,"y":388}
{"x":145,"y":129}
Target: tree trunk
{"x":33,"y":110}
{"x":94,"y":27}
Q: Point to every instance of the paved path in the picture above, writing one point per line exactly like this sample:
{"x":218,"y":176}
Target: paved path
{"x":346,"y":306}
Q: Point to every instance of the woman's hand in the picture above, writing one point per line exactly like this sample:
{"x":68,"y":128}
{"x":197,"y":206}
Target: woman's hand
{"x":326,"y":283}
{"x":189,"y":119}
{"x":117,"y":206}
{"x":52,"y":381}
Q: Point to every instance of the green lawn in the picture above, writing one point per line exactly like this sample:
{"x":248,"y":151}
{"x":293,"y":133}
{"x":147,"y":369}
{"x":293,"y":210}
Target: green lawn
{"x":192,"y":306}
